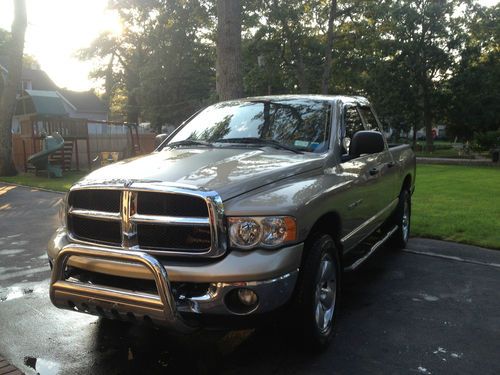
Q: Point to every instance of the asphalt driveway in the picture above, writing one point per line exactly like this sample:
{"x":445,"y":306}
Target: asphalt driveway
{"x":433,"y":308}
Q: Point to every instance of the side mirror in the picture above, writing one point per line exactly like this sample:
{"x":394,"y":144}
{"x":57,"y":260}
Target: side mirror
{"x":366,"y":142}
{"x":160,"y":138}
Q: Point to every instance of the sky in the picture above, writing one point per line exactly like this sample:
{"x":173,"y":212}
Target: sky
{"x":59,"y":28}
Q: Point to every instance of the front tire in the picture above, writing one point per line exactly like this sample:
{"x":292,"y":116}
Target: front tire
{"x":402,"y":219}
{"x":318,"y":292}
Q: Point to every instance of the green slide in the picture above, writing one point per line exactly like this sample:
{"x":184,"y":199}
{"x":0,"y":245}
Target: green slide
{"x":40,"y":160}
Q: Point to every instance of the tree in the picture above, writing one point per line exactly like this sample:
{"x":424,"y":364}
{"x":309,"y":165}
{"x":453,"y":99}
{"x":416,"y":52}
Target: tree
{"x":416,"y":60}
{"x":9,"y":92}
{"x":229,"y":79}
{"x":328,"y":49}
{"x":473,"y":105}
{"x":161,"y":68}
{"x":423,"y":40}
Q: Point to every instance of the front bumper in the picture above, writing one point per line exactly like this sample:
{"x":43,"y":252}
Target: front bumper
{"x":270,"y":275}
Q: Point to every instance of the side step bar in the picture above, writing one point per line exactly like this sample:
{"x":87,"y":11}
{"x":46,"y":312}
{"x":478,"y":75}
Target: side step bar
{"x":374,"y":248}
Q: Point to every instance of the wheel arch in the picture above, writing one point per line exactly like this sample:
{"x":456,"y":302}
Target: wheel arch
{"x":329,"y":223}
{"x":407,"y":183}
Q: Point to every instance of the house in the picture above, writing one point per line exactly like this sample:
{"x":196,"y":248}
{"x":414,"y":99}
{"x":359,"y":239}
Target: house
{"x":43,"y":108}
{"x":83,"y":105}
{"x":80,"y":117}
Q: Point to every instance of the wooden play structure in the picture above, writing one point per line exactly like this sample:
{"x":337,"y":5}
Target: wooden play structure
{"x":88,"y":143}
{"x":82,"y":149}
{"x":74,"y":132}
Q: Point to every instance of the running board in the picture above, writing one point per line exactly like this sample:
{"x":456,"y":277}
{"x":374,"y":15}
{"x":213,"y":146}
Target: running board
{"x":374,"y":248}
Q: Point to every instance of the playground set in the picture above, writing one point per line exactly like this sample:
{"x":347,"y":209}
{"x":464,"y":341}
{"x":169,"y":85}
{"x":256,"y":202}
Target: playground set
{"x":50,"y":136}
{"x":56,"y":145}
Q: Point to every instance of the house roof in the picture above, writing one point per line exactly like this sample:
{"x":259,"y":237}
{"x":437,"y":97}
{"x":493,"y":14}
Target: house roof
{"x":85,"y":101}
{"x":39,"y":79}
{"x":43,"y":103}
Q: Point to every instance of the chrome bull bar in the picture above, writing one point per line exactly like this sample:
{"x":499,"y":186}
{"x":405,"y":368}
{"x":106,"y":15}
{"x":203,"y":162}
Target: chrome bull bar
{"x":160,"y":308}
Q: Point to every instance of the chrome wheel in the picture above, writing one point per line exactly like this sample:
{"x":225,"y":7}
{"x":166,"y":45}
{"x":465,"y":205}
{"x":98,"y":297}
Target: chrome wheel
{"x":405,"y":222}
{"x":402,"y":219}
{"x":326,"y":293}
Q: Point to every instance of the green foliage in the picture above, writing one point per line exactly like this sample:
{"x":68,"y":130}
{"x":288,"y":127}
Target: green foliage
{"x":421,"y":63}
{"x":488,"y":140}
{"x":474,"y":106}
{"x":162,"y":61}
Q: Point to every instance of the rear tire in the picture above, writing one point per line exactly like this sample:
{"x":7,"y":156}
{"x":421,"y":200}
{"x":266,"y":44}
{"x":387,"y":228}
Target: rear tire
{"x":318,"y":292}
{"x":402,"y":218}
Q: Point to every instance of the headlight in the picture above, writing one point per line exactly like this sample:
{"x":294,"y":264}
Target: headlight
{"x":271,"y":231}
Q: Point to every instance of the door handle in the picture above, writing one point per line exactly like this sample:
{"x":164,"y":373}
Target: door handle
{"x":373,"y":171}
{"x":391,"y":164}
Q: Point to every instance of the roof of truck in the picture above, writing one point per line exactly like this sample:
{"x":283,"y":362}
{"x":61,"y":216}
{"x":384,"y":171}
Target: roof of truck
{"x":329,"y":98}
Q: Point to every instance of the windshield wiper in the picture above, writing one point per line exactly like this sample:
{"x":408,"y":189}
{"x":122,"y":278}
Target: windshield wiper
{"x":189,"y":142}
{"x":259,"y":141}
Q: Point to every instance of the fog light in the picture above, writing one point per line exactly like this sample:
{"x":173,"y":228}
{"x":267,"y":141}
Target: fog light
{"x":247,"y":297}
{"x":241,"y":301}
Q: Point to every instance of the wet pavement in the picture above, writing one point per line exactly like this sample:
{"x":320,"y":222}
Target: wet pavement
{"x":431,"y":309}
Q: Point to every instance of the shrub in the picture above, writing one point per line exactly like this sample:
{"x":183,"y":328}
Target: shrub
{"x":487,"y":141}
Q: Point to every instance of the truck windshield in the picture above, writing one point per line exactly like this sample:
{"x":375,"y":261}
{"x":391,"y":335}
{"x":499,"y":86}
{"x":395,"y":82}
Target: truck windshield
{"x":302,"y":125}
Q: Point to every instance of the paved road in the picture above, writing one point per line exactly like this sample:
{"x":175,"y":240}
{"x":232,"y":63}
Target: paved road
{"x":431,"y":309}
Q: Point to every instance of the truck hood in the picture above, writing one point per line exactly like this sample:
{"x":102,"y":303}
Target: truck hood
{"x":228,"y":171}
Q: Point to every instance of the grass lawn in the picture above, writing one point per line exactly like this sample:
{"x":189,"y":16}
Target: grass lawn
{"x":457,"y":203}
{"x":58,"y":184}
{"x":454,"y":203}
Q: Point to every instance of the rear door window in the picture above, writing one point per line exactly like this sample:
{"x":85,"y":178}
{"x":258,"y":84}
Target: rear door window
{"x":370,"y":120}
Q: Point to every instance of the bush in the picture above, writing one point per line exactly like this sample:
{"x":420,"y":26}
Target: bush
{"x":487,"y":141}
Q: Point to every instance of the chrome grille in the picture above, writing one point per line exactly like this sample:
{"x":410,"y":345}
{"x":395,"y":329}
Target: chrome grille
{"x":102,"y":232}
{"x":158,"y":220}
{"x":171,"y":205}
{"x":97,"y":200}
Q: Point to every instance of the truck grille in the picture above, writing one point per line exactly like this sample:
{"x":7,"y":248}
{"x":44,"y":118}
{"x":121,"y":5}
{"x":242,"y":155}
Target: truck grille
{"x":161,"y":223}
{"x":102,"y":232}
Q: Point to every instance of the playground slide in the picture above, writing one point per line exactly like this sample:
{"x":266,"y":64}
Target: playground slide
{"x":40,"y":160}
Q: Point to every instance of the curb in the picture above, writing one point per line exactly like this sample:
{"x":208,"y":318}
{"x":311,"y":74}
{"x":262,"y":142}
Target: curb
{"x":450,"y":161}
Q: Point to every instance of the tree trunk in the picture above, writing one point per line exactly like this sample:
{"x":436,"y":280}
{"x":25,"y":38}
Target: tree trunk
{"x":300,"y":67}
{"x":132,"y":84}
{"x":429,"y":140}
{"x":229,"y":78}
{"x":109,"y":83}
{"x":414,"y":138}
{"x":328,"y":50}
{"x":13,"y":81}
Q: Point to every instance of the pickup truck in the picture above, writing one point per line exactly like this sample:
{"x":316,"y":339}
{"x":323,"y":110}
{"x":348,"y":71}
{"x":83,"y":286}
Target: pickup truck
{"x":251,"y":208}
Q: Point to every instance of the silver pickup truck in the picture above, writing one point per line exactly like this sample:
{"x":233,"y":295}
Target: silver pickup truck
{"x":250,"y":207}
